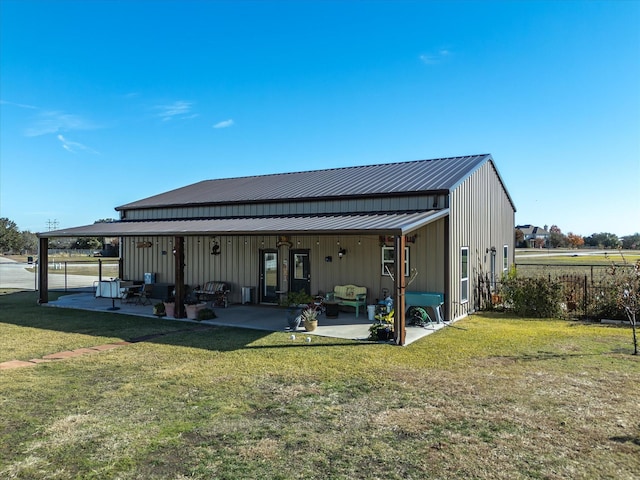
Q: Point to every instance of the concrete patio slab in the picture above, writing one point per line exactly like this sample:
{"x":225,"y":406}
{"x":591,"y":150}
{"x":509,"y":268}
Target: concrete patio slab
{"x":257,"y":317}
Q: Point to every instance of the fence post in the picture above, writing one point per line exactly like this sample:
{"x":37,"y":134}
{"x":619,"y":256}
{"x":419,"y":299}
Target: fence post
{"x":586,"y":292}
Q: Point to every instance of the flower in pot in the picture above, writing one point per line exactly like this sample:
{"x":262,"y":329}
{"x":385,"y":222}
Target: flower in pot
{"x":381,"y":330}
{"x":310,"y":319}
{"x":159,"y":310}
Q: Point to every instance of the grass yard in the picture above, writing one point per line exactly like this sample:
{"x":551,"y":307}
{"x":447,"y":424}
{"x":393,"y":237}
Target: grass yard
{"x":571,"y":262}
{"x":490,"y":398}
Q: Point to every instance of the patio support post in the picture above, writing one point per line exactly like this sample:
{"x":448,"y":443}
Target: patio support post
{"x":399,"y":290}
{"x":178,"y":253}
{"x":43,"y":270}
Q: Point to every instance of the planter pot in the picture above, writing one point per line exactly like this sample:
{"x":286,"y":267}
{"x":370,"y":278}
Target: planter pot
{"x":293,"y":318}
{"x":192,"y":310}
{"x":310,"y":325}
{"x":384,"y":334}
{"x":169,"y":309}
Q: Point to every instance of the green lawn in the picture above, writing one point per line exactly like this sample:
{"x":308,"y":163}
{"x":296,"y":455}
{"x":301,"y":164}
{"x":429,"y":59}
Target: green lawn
{"x":490,"y":398}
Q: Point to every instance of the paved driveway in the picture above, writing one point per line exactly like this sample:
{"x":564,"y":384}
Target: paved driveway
{"x":17,"y":275}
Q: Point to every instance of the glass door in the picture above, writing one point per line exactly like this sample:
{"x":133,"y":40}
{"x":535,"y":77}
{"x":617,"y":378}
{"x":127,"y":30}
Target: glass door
{"x":300,"y":274}
{"x":269,"y":276}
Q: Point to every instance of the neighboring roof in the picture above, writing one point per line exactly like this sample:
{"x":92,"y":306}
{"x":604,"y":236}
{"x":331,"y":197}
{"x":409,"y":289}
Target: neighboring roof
{"x":532,"y":230}
{"x":436,"y":175}
{"x":390,"y":223}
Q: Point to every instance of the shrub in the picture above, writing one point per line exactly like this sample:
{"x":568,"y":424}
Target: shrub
{"x":206,"y":314}
{"x":532,"y":297}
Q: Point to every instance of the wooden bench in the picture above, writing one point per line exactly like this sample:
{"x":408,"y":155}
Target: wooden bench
{"x":351,"y":295}
{"x":215,"y":292}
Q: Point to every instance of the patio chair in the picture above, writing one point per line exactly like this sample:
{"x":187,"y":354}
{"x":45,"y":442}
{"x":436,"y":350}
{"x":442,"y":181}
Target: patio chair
{"x":143,"y":297}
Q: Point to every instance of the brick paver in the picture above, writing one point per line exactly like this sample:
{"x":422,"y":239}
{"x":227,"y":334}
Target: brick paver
{"x":84,"y":351}
{"x":61,"y":355}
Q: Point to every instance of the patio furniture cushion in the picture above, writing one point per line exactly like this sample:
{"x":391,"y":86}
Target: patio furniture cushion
{"x":351,"y":295}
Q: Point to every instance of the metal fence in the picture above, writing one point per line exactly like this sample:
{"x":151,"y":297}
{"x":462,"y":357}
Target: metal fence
{"x":585,"y":289}
{"x":62,"y":275}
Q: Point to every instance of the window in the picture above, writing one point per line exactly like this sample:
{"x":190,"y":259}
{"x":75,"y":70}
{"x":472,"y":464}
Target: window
{"x":464,"y":274}
{"x":505,"y":258}
{"x":388,"y":259}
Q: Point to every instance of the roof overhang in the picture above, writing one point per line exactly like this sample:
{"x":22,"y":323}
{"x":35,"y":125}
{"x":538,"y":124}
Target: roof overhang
{"x":372,"y":224}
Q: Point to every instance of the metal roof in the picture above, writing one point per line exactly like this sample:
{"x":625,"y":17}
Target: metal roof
{"x":436,"y":175}
{"x":373,"y":224}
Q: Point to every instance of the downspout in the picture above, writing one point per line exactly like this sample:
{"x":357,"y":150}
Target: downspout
{"x":43,"y":270}
{"x":399,"y":291}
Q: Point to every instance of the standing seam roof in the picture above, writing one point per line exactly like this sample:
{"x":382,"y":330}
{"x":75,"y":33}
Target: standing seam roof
{"x":370,"y":180}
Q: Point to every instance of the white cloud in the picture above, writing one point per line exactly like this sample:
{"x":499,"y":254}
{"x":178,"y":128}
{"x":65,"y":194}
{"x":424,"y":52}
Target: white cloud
{"x":54,"y":122}
{"x":179,"y":109}
{"x":224,"y":124}
{"x":434,"y":58}
{"x":74,"y":147}
{"x":21,"y":105}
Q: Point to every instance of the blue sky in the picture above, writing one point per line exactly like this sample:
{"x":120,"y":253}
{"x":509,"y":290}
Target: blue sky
{"x":107,"y":102}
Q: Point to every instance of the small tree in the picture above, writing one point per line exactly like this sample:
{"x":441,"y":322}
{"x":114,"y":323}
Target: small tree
{"x":626,"y":288}
{"x":575,"y":241}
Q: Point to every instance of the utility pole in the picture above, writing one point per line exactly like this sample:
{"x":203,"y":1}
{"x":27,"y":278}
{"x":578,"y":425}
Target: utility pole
{"x":52,"y":225}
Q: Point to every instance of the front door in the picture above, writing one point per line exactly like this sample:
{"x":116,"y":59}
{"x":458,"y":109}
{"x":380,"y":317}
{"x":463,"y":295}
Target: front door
{"x":269,"y":276}
{"x":299,"y":271}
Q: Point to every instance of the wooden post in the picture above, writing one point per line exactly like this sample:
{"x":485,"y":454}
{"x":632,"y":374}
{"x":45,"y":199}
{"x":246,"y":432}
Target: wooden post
{"x":399,"y":290}
{"x":178,"y":253}
{"x":43,"y":270}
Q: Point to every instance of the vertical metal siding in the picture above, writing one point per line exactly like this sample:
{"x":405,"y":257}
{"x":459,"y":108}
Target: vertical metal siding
{"x":481,"y":217}
{"x":238,"y":262}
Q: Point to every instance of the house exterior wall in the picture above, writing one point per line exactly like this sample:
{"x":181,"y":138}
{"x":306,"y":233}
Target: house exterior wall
{"x":239,"y":260}
{"x":311,"y":207}
{"x":481,"y":217}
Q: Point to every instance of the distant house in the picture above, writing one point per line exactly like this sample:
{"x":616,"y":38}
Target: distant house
{"x":443,"y":223}
{"x":534,"y":237}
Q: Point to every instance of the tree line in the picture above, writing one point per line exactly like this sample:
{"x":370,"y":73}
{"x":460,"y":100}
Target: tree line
{"x":557,"y":239}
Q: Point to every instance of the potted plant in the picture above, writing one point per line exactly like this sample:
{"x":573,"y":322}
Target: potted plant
{"x":294,"y":317}
{"x":381,"y":330}
{"x":159,"y":310}
{"x":170,"y":306}
{"x":193,"y":307}
{"x":310,"y":319}
{"x":297,"y":299}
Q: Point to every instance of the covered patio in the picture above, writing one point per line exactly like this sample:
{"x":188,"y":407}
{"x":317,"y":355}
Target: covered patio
{"x":256,"y":317}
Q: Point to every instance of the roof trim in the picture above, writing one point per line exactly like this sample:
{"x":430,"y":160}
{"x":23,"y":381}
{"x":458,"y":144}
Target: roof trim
{"x":368,"y":224}
{"x":488,"y":158}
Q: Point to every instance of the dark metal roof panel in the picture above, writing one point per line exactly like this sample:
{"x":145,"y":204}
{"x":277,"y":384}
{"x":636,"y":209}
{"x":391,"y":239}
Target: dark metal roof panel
{"x":370,"y":180}
{"x":400,"y":223}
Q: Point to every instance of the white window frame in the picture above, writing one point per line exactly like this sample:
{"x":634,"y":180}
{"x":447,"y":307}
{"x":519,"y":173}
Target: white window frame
{"x":464,"y":276}
{"x":389,"y":261}
{"x":505,"y":258}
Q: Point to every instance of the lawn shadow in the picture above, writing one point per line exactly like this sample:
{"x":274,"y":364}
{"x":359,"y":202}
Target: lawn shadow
{"x":21,"y":309}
